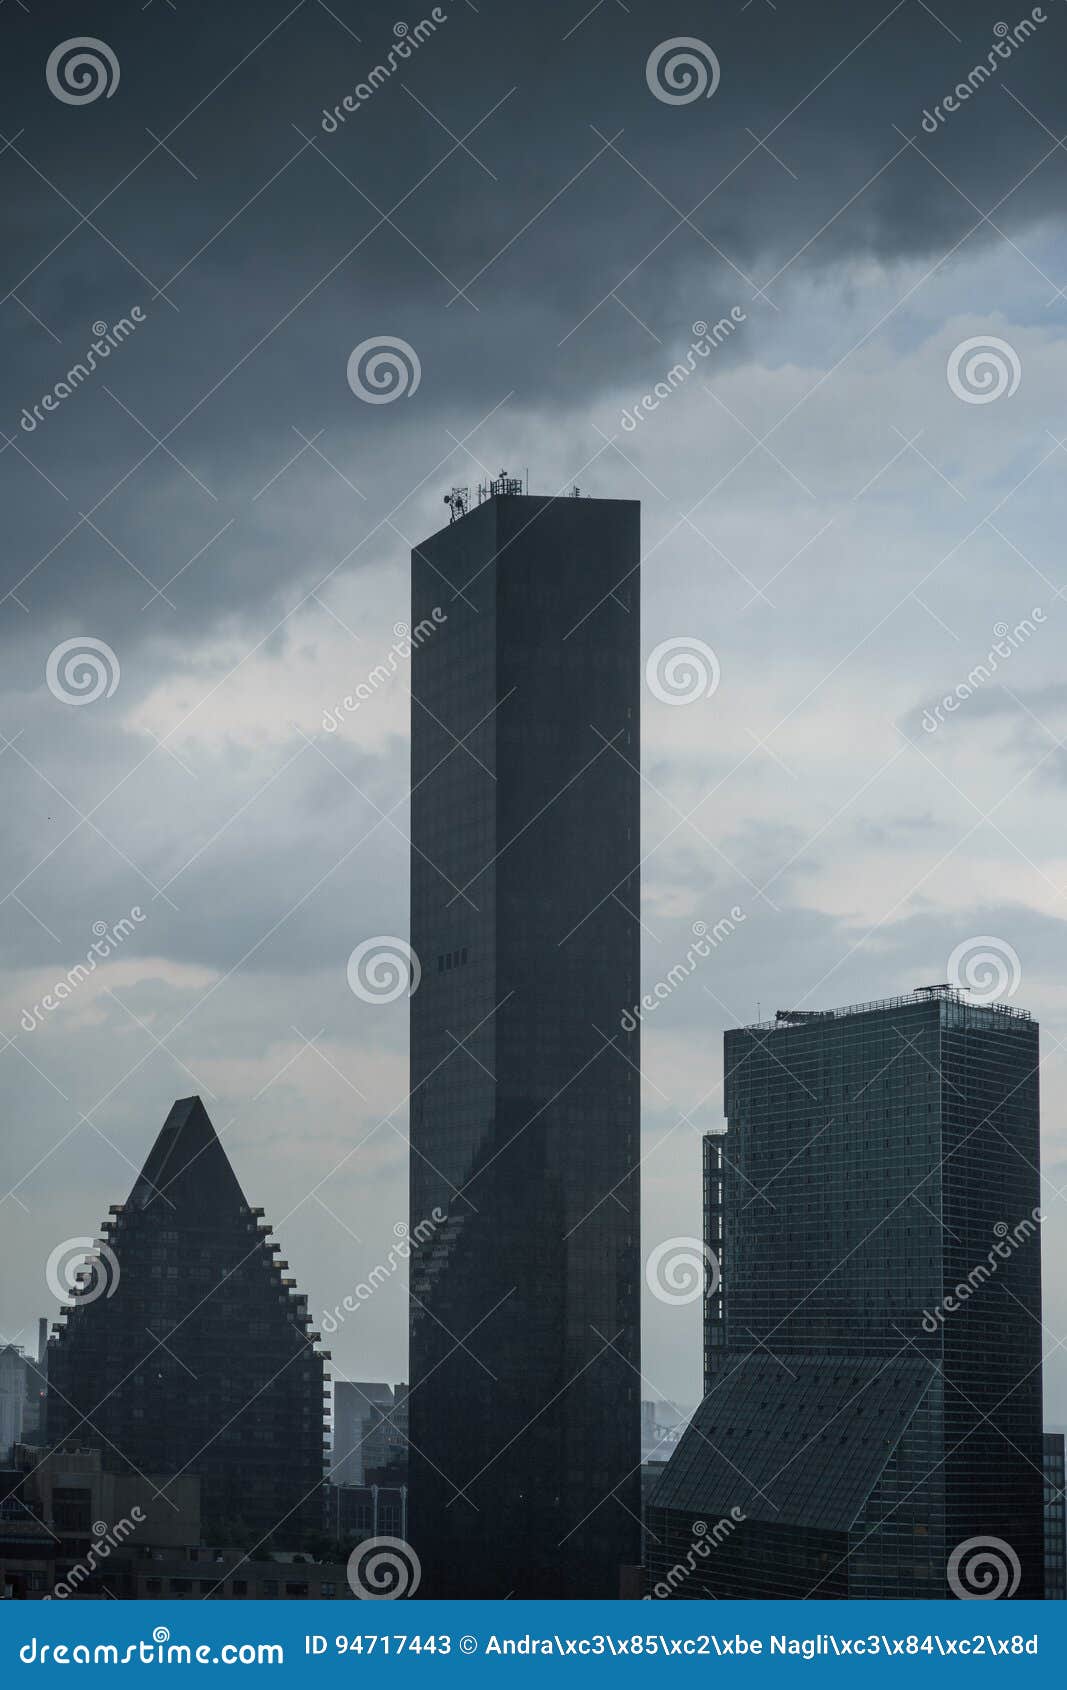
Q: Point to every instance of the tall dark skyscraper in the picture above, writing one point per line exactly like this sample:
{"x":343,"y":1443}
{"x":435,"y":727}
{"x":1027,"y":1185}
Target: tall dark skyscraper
{"x":188,"y":1352}
{"x":524,"y":1405}
{"x":874,"y":1392}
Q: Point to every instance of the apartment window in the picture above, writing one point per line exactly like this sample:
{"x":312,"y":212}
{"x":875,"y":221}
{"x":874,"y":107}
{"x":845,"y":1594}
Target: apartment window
{"x":72,"y":1508}
{"x":451,"y":959}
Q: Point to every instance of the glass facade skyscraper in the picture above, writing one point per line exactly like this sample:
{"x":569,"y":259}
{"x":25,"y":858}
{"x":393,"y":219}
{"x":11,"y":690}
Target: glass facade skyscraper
{"x":524,"y":1401}
{"x":877,"y":1198}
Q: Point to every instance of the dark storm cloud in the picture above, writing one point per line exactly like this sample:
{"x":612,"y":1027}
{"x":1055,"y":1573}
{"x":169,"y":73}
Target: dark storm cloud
{"x":277,"y":261}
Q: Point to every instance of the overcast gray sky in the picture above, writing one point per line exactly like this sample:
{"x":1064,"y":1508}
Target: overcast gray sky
{"x":844,"y":526}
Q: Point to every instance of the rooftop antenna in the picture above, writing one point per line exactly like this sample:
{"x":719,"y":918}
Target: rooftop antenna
{"x":458,"y":501}
{"x":504,"y":484}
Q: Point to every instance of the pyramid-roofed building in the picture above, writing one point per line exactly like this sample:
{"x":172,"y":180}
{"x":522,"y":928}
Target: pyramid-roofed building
{"x":187,"y":1351}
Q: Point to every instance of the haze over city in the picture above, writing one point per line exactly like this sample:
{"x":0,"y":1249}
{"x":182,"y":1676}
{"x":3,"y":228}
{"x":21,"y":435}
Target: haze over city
{"x":820,"y":507}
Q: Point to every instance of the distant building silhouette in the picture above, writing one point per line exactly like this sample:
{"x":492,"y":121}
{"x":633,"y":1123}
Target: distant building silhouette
{"x":18,"y":1397}
{"x":369,"y":1433}
{"x":22,"y":1392}
{"x":874,"y":1393}
{"x":524,"y":1400}
{"x":200,"y":1356}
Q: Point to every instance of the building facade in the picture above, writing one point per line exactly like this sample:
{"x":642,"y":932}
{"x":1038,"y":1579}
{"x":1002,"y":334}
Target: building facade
{"x":356,"y":1512}
{"x":877,"y":1205}
{"x":524,"y":1398}
{"x":67,"y":1521}
{"x":1055,"y":1518}
{"x":199,"y":1357}
{"x":227,"y":1574}
{"x":714,"y":1304}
